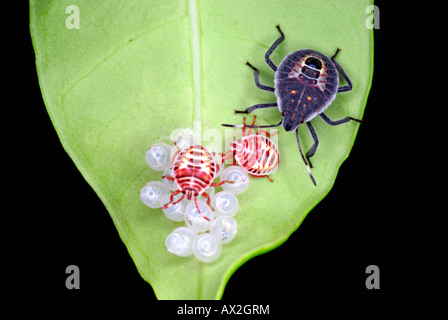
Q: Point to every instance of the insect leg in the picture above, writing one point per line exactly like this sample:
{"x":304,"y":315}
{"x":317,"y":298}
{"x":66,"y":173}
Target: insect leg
{"x":262,"y":131}
{"x":220,"y":154}
{"x":205,"y":194}
{"x":258,"y":106}
{"x":168,"y":177}
{"x":244,"y":127}
{"x":337,"y":122}
{"x":169,"y":204}
{"x":343,"y":74}
{"x":227,"y":155}
{"x":335,"y":54}
{"x":313,"y":148}
{"x":220,"y":183}
{"x":267,"y":134}
{"x":249,"y":131}
{"x":257,"y":81}
{"x":303,"y":158}
{"x":272,"y":48}
{"x":266,"y":176}
{"x":197,"y":208}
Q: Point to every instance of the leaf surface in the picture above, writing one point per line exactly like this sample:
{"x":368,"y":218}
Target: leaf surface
{"x":136,"y":70}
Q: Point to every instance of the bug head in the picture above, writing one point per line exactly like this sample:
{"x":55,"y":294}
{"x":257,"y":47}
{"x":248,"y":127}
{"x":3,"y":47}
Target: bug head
{"x":190,"y":193}
{"x":291,"y":120}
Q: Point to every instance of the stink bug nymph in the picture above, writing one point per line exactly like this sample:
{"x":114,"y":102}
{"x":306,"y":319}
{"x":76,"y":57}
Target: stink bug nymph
{"x":255,"y":153}
{"x":194,"y":171}
{"x":306,"y":83}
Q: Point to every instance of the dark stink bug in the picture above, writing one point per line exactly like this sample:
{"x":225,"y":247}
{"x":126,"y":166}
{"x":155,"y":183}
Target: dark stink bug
{"x":306,"y":83}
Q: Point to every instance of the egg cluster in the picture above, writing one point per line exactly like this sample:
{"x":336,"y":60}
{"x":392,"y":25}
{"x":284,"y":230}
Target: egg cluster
{"x":206,"y":231}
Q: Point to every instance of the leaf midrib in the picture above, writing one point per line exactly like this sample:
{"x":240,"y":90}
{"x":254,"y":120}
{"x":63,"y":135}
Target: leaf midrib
{"x":196,"y":59}
{"x":196,"y":70}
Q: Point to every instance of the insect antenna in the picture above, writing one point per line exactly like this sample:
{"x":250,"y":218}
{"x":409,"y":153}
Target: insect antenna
{"x":251,"y":126}
{"x":304,"y":160}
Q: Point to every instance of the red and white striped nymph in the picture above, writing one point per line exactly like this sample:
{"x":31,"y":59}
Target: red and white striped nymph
{"x":255,"y":153}
{"x":194,"y":170}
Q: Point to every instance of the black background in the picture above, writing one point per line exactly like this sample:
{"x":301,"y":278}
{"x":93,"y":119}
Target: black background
{"x":381,"y":210}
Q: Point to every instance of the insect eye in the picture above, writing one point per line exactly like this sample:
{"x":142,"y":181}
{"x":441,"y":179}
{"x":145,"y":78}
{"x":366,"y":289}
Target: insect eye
{"x":314,"y":63}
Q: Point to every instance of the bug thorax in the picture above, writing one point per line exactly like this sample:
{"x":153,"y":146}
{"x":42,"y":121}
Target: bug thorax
{"x":314,"y":62}
{"x":291,"y":120}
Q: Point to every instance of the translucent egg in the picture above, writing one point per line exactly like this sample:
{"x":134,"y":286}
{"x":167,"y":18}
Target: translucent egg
{"x":169,"y":184}
{"x":210,"y":191}
{"x":174,"y":212}
{"x":239,"y":177}
{"x":225,"y":203}
{"x":181,"y":143}
{"x":152,"y":193}
{"x":198,"y":221}
{"x":180,"y":241}
{"x":225,"y":227}
{"x":158,"y":157}
{"x":207,"y":247}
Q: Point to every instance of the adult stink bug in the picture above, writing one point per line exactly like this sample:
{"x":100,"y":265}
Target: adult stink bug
{"x":255,"y":153}
{"x":306,"y":83}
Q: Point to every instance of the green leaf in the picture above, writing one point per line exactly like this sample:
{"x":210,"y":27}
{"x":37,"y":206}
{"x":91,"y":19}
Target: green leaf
{"x":136,"y":70}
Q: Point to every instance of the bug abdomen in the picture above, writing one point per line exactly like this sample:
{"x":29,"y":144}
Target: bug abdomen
{"x":259,"y":155}
{"x":304,"y":100}
{"x":194,"y":170}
